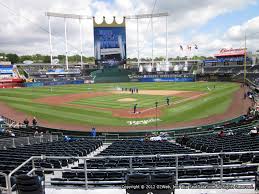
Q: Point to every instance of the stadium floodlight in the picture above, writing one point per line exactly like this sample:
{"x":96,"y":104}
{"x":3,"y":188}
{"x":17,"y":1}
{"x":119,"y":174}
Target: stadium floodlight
{"x":65,"y":15}
{"x":142,"y":16}
{"x":151,"y":16}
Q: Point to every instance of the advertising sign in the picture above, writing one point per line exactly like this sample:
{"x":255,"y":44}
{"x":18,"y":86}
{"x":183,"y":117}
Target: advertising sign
{"x":6,"y":69}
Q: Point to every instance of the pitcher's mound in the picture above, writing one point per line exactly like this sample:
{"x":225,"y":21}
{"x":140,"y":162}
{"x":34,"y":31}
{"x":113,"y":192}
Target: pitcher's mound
{"x":127,"y":100}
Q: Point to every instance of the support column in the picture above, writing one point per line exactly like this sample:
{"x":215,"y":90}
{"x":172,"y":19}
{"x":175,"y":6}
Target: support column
{"x":50,"y":42}
{"x":86,"y":178}
{"x":130,"y":165}
{"x":176,"y":170}
{"x":81,"y":42}
{"x":66,"y":42}
{"x":221,"y":169}
{"x":166,"y":39}
{"x":152,"y":36}
{"x":138,"y":41}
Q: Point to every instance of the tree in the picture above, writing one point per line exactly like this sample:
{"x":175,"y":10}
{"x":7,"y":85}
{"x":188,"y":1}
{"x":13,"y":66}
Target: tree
{"x":25,"y":58}
{"x":159,"y":58}
{"x":46,"y":59}
{"x":13,"y":58}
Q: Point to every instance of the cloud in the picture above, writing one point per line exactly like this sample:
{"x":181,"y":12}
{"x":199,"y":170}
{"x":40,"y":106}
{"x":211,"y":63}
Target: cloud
{"x":21,"y":27}
{"x":250,"y":28}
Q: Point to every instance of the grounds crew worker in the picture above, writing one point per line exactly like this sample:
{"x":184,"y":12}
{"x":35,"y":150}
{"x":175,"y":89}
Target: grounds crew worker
{"x":135,"y":108}
{"x":167,"y":101}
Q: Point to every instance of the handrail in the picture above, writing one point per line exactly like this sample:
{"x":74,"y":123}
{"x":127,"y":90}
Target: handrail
{"x":12,"y":172}
{"x":146,"y":156}
{"x":131,"y":169}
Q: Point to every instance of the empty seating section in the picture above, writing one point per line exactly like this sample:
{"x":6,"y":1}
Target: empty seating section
{"x":138,"y":149}
{"x":125,"y":148}
{"x":239,"y":141}
{"x":129,"y":148}
{"x":223,"y":69}
{"x":231,"y":69}
{"x":13,"y":157}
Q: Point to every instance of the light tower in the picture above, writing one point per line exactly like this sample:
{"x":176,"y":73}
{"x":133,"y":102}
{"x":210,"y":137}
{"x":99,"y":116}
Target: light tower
{"x":65,"y":17}
{"x":151,"y":16}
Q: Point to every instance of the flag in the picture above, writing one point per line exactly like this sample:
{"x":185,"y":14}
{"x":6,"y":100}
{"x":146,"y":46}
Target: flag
{"x":181,"y":47}
{"x":196,"y":47}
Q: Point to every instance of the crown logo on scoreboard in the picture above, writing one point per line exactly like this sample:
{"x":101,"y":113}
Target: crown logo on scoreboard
{"x":113,"y":24}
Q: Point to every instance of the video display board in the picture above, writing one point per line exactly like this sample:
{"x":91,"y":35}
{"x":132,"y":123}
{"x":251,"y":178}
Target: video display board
{"x":110,"y":43}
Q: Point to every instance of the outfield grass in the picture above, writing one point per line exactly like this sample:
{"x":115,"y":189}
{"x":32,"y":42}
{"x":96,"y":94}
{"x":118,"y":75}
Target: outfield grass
{"x":216,"y":101}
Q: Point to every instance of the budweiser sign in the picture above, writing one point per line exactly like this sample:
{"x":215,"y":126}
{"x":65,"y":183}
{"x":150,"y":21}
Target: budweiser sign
{"x":231,"y":52}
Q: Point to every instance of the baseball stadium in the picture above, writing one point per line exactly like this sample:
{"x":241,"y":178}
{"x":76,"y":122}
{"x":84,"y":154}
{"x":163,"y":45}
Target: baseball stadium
{"x":117,"y":125}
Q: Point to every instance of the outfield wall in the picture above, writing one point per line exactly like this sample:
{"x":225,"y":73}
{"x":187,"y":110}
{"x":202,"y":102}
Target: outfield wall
{"x":11,"y":82}
{"x":173,"y":79}
{"x":53,"y":83}
{"x":109,"y":80}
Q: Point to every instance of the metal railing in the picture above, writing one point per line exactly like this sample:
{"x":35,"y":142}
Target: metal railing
{"x":21,"y":141}
{"x":131,"y":169}
{"x":109,"y":138}
{"x":10,"y":122}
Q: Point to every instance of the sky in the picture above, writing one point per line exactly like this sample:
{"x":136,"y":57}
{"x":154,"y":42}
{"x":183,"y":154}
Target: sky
{"x":209,"y":24}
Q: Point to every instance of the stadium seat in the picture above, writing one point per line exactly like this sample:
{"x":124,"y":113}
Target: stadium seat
{"x":29,"y":185}
{"x":163,"y":183}
{"x":139,"y":181}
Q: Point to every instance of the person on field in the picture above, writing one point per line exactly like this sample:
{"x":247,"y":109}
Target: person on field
{"x":135,"y":108}
{"x":167,"y":101}
{"x":34,"y":122}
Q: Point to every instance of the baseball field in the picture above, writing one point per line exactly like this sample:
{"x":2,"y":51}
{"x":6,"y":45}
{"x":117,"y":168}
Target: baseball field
{"x":107,"y":106}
